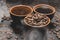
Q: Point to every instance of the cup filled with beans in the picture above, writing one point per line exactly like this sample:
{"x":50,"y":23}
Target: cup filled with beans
{"x":36,"y":20}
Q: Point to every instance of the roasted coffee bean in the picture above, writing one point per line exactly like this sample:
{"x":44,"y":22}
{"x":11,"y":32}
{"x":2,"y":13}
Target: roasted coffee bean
{"x":4,"y":18}
{"x":56,"y":29}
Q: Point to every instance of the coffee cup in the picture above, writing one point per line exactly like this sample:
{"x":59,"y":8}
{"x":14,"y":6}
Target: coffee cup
{"x":18,"y":12}
{"x":45,"y":9}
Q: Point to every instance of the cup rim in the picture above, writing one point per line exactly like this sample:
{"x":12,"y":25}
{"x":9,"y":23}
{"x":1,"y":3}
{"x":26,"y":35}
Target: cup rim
{"x":37,"y":26}
{"x":18,"y":6}
{"x":51,"y":7}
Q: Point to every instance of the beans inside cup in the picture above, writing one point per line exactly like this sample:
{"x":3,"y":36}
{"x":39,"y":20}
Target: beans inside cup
{"x":37,"y":20}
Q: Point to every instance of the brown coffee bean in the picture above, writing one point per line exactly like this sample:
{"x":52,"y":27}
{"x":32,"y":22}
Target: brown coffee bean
{"x":56,"y":29}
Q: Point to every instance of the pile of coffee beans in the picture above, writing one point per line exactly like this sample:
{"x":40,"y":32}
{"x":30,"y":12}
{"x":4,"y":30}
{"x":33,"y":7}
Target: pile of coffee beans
{"x":57,"y":32}
{"x":37,"y":20}
{"x":7,"y":35}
